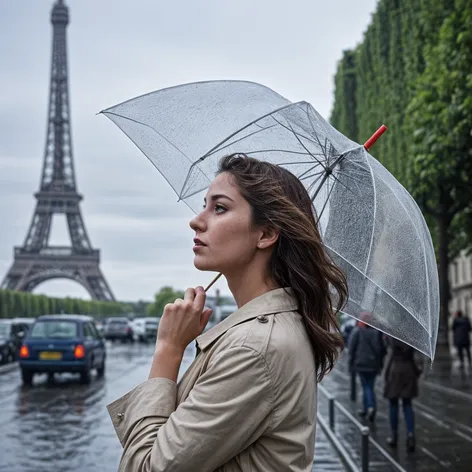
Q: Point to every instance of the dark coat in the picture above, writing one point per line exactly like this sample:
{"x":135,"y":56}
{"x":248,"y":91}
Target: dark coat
{"x":461,"y":330}
{"x":402,"y":372}
{"x":366,"y":350}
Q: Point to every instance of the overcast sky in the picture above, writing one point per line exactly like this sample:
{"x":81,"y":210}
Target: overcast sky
{"x":118,"y":49}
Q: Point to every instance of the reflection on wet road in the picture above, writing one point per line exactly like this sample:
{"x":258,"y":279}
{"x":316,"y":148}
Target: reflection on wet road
{"x":64,"y":426}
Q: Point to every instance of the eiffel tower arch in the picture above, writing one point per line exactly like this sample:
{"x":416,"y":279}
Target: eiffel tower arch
{"x":36,"y":261}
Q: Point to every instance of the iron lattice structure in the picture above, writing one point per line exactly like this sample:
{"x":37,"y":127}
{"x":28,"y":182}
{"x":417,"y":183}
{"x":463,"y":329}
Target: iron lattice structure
{"x":36,"y":261}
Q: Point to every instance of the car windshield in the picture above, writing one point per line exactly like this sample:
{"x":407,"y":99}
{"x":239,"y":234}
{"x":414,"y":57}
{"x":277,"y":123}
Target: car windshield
{"x":54,"y":329}
{"x":4,"y":330}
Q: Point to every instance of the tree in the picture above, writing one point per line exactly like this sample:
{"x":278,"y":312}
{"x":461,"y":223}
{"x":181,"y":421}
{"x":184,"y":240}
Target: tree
{"x":440,"y":121}
{"x":162,"y":298}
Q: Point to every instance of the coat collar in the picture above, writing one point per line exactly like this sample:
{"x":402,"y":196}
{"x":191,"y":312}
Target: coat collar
{"x":276,"y":301}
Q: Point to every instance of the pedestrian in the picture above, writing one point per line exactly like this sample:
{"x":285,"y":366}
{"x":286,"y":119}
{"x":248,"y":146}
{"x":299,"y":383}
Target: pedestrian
{"x":366,"y":355}
{"x":248,"y":401}
{"x":461,"y":330}
{"x":401,"y":382}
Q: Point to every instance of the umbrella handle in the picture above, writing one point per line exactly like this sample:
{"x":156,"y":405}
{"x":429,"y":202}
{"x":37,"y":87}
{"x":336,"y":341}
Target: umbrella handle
{"x":213,"y":281}
{"x":374,"y":137}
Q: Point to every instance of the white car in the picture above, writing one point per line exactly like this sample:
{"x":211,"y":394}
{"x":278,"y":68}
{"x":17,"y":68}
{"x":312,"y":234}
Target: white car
{"x":145,"y":329}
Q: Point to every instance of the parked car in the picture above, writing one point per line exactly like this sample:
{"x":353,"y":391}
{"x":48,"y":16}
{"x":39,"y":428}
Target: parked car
{"x":12,"y":332}
{"x":118,"y":328}
{"x":145,"y":329}
{"x":62,"y":343}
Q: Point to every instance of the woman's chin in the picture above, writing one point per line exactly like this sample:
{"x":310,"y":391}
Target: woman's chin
{"x":201,"y":264}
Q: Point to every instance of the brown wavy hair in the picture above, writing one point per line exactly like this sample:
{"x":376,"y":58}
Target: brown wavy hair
{"x":299,"y":260}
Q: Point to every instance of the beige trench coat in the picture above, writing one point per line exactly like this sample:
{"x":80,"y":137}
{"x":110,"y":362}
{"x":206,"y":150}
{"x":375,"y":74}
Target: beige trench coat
{"x":247,"y":402}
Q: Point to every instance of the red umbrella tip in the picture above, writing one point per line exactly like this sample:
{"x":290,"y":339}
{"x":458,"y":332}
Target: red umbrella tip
{"x":374,"y":137}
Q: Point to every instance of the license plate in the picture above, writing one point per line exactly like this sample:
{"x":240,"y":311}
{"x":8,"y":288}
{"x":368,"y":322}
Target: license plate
{"x":50,"y":356}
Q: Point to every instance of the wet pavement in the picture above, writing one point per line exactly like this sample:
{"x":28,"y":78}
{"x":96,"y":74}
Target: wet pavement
{"x":443,"y":421}
{"x":64,"y":426}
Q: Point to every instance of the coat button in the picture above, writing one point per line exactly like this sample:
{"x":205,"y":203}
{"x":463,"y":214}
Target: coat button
{"x":120,"y":416}
{"x":262,"y":319}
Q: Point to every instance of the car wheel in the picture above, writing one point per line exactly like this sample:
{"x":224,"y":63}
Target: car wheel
{"x":86,"y":375}
{"x":27,"y":377}
{"x":101,"y":369}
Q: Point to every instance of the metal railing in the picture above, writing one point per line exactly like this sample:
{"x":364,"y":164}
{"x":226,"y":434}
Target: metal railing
{"x":330,"y":429}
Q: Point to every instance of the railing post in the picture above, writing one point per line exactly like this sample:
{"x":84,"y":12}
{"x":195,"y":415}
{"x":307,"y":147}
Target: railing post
{"x":365,"y":449}
{"x":331,"y":413}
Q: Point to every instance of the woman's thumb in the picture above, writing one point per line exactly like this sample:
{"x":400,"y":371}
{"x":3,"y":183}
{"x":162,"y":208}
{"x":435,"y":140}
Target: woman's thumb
{"x":206,"y":316}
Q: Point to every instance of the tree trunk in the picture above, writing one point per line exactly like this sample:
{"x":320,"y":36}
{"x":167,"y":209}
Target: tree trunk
{"x":444,"y":222}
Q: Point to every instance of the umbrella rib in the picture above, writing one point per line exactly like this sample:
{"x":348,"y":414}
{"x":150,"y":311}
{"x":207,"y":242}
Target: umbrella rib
{"x":148,"y":126}
{"x":283,"y":150}
{"x":375,"y":214}
{"x":416,"y":230}
{"x":238,"y":140}
{"x":312,"y":175}
{"x":228,"y":138}
{"x":165,"y":139}
{"x":288,"y":152}
{"x":246,"y":126}
{"x":354,"y":193}
{"x":299,"y":140}
{"x":378,"y":286}
{"x":326,"y":202}
{"x":313,"y":184}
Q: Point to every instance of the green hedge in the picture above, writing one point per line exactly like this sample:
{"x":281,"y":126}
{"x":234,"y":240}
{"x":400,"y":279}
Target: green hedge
{"x":23,"y":304}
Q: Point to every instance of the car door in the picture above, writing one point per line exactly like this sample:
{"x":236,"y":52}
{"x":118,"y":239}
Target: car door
{"x":91,"y":345}
{"x":100,"y":350}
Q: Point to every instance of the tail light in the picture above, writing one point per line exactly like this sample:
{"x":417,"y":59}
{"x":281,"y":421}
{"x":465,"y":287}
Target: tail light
{"x":24,"y":352}
{"x":79,"y":351}
{"x":129,"y":330}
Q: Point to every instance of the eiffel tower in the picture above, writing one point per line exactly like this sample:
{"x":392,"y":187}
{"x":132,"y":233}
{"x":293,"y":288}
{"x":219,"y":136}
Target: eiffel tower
{"x":36,"y":261}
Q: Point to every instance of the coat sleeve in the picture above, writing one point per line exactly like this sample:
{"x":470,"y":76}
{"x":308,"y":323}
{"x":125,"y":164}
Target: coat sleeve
{"x":229,"y":407}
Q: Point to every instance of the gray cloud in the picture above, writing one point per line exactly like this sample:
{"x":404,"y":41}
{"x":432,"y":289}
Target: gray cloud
{"x":119,"y":49}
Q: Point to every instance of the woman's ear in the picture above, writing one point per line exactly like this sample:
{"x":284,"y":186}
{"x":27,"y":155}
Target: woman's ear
{"x":268,"y":238}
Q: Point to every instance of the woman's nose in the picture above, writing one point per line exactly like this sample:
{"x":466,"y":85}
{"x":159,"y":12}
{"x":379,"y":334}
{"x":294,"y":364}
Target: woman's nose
{"x":198,"y":223}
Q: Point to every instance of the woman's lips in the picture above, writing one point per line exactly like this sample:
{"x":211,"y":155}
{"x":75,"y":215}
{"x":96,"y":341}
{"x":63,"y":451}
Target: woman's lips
{"x":198,"y":244}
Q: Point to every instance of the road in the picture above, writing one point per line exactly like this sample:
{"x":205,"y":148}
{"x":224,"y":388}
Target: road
{"x":64,"y":426}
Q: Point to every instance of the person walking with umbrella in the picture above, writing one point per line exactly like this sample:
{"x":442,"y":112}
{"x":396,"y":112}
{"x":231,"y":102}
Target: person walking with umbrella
{"x":401,"y":383}
{"x":461,"y":331}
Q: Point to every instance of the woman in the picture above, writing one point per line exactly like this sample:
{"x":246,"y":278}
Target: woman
{"x":248,"y":401}
{"x":401,"y":382}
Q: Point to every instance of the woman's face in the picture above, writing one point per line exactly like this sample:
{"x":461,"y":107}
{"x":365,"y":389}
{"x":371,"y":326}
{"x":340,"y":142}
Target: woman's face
{"x":225,"y":238}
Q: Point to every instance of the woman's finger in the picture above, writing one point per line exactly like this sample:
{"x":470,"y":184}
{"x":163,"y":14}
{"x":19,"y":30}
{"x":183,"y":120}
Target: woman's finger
{"x":200,"y":298}
{"x":189,"y":294}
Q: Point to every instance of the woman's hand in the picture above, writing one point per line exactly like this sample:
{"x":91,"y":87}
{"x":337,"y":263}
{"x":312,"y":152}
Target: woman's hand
{"x":183,"y":320}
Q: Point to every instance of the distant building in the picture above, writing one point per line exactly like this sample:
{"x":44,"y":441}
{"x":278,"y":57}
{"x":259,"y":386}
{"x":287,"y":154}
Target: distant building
{"x":460,"y":277}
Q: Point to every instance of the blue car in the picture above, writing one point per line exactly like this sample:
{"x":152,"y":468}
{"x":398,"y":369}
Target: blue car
{"x":62,"y":343}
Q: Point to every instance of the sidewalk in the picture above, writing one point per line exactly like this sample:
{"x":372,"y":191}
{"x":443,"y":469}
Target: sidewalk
{"x":443,"y":421}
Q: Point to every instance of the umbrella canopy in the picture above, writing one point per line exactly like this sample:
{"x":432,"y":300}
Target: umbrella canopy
{"x":369,"y":223}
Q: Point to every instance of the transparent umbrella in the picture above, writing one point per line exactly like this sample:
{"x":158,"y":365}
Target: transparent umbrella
{"x":370,"y":224}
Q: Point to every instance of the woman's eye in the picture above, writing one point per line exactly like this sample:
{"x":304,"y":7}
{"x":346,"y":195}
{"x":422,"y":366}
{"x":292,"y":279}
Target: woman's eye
{"x":219,"y":209}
